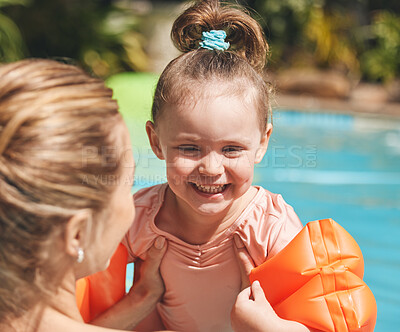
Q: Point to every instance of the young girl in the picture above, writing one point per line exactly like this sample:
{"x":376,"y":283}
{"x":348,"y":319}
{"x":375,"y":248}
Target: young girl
{"x":210,"y":124}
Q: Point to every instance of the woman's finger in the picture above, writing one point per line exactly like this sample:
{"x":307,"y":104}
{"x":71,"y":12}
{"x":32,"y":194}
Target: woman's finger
{"x":259,"y":298}
{"x":151,"y":264}
{"x":155,"y":254}
{"x":246,"y":263}
{"x":147,"y":277}
{"x":257,"y":291}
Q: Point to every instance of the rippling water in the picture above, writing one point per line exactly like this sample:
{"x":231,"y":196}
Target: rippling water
{"x":348,"y":169}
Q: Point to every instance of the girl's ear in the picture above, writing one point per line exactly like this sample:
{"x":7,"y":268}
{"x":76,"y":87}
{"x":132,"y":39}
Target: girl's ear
{"x":76,"y":232}
{"x":154,"y":140}
{"x":263,"y":144}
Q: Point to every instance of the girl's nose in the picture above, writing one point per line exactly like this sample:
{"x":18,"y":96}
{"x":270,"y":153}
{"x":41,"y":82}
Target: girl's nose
{"x":211,"y":165}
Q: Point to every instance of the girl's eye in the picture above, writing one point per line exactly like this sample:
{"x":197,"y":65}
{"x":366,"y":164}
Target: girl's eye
{"x":189,"y":150}
{"x":232,"y":151}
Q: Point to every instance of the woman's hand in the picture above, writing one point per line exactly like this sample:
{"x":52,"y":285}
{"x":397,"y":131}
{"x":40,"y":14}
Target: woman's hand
{"x":244,"y":260}
{"x":147,"y":290}
{"x":252,"y":312}
{"x":148,"y":282}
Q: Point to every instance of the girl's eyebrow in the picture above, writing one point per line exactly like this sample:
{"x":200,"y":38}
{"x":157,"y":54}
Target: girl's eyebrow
{"x":187,"y":136}
{"x":229,"y":141}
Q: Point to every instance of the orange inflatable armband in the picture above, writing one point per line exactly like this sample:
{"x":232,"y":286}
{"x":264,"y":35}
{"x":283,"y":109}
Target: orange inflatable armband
{"x":317,"y":280}
{"x":99,"y":291}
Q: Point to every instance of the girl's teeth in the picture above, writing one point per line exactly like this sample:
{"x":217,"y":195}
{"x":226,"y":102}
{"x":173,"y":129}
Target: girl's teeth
{"x":210,"y":189}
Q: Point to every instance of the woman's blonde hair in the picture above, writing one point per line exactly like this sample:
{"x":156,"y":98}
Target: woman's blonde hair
{"x":241,"y":66}
{"x":55,"y":126}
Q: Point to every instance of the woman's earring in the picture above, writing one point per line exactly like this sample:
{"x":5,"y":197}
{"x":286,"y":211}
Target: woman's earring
{"x":81,"y":255}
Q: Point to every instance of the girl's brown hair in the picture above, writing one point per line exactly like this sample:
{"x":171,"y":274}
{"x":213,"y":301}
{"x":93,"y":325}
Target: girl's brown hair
{"x":241,"y":66}
{"x":55,"y":125}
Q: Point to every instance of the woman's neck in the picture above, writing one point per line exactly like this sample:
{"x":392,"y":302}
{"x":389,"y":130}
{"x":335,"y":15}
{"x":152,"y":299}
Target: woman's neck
{"x":180,"y":220}
{"x":62,"y":311}
{"x":65,"y":299}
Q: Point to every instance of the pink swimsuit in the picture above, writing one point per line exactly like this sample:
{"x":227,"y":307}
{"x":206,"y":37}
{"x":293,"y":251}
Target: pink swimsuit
{"x":202,"y":281}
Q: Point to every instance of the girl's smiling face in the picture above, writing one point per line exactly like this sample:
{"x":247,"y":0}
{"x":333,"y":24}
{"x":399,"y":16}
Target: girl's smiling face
{"x":210,"y":148}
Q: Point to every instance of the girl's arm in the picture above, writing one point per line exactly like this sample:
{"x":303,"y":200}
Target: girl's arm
{"x":252,"y":311}
{"x":142,"y":298}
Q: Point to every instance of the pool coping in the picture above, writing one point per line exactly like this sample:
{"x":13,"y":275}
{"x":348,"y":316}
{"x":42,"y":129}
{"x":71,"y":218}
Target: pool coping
{"x":309,"y":103}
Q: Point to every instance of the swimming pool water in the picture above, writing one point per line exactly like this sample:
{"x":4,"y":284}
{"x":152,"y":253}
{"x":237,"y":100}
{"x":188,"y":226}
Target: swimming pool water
{"x":346,"y":168}
{"x":326,"y":166}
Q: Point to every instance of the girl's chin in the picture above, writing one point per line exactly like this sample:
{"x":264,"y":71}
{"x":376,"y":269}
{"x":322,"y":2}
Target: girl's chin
{"x":211,"y":209}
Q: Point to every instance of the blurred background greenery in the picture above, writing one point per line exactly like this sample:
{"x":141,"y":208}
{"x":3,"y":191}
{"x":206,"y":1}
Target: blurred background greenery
{"x":359,"y":38}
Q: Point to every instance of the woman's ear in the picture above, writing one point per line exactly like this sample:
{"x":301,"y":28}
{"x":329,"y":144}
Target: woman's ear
{"x":263,"y":144}
{"x":77,"y":232}
{"x":154,"y":140}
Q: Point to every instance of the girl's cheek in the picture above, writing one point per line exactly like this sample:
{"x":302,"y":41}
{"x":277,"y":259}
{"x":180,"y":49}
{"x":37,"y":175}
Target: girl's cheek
{"x":184,"y":165}
{"x":175,"y":179}
{"x":243,"y":170}
{"x":244,"y":163}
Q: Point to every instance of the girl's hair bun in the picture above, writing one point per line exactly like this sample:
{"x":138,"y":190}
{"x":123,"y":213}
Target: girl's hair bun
{"x":244,"y":34}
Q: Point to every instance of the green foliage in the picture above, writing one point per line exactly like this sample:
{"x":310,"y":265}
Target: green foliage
{"x":382,"y":61}
{"x":11,"y":42}
{"x":284,"y":23}
{"x":329,"y":35}
{"x":92,"y":33}
{"x":357,"y":37}
{"x":309,"y":33}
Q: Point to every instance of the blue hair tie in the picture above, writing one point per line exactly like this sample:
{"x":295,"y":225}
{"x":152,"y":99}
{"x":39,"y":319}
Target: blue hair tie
{"x":214,"y":40}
